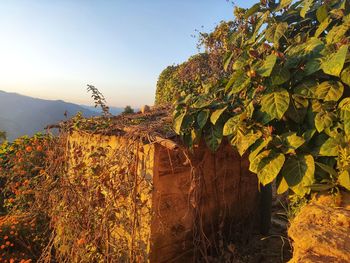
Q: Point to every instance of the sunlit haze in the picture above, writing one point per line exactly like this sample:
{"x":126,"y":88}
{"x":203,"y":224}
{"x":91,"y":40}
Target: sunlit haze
{"x":52,"y":49}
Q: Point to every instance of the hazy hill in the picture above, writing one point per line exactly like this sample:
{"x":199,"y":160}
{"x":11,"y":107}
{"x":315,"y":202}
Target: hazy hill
{"x":112,"y":110}
{"x":23,"y":115}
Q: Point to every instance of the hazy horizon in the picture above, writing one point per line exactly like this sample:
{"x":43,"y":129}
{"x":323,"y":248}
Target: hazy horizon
{"x":53,"y":49}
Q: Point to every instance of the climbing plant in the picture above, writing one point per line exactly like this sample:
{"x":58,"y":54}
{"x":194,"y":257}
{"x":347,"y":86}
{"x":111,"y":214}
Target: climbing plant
{"x":166,"y":85}
{"x":285,"y":103}
{"x":99,"y":100}
{"x":197,"y":73}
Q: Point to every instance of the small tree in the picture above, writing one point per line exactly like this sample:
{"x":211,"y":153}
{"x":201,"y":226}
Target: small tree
{"x":99,"y":100}
{"x":128,"y":110}
{"x":286,"y":100}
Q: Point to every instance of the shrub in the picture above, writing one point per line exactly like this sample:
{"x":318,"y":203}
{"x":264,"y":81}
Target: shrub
{"x":199,"y":72}
{"x":24,"y":227}
{"x":128,"y":110}
{"x":286,"y":100}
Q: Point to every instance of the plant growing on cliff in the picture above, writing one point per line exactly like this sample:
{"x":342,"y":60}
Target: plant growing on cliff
{"x":200,"y":71}
{"x":286,"y":101}
{"x":99,"y":100}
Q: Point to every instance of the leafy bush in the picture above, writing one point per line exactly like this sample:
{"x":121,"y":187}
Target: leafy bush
{"x":200,"y":71}
{"x":128,"y":110}
{"x":24,"y":227}
{"x":286,"y":100}
{"x":166,"y":85}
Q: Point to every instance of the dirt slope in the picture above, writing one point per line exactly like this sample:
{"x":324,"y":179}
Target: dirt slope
{"x":321,"y":231}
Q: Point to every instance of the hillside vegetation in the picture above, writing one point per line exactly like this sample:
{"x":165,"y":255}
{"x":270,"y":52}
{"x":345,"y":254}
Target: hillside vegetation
{"x":281,"y":94}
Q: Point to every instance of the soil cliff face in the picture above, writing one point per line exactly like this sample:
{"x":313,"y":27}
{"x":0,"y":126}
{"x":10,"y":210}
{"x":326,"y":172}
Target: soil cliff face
{"x":321,"y":231}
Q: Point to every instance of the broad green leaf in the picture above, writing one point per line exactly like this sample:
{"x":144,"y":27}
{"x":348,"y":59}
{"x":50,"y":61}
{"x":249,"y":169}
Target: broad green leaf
{"x":250,"y":109}
{"x":283,"y":4}
{"x":238,"y":82}
{"x":298,"y":172}
{"x":321,"y":187}
{"x":323,"y":120}
{"x":201,"y":103}
{"x":202,"y":118}
{"x":178,"y":123}
{"x":251,"y":11}
{"x":282,"y":185}
{"x":336,"y":13}
{"x":308,"y":135}
{"x":298,"y":51}
{"x":216,"y":115}
{"x":213,"y":137}
{"x":312,"y":46}
{"x":227,"y":61}
{"x":269,"y":33}
{"x":280,"y":29}
{"x":232,"y":80}
{"x":306,"y":89}
{"x":316,"y":106}
{"x":240,"y":63}
{"x":257,"y":27}
{"x":246,"y":141}
{"x":306,"y":6}
{"x":231,"y":125}
{"x":322,"y":27}
{"x":333,"y":64}
{"x":312,"y":65}
{"x":322,"y":13}
{"x":297,"y":108}
{"x":241,"y":83}
{"x":344,"y":114}
{"x":337,"y":33}
{"x":262,"y":117}
{"x":279,"y":76}
{"x":275,"y":103}
{"x":258,"y":147}
{"x":275,"y":32}
{"x":345,"y":5}
{"x":329,"y":148}
{"x":268,"y":165}
{"x":266,"y":69}
{"x":300,"y":102}
{"x":329,"y":90}
{"x":328,"y":169}
{"x":292,"y":141}
{"x":344,"y":179}
{"x":344,"y":104}
{"x":187,"y":139}
{"x":345,"y":117}
{"x":345,"y":76}
{"x":187,"y":122}
{"x":254,"y":164}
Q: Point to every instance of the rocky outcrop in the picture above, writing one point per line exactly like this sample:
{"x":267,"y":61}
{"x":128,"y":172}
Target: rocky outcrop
{"x":321,"y":231}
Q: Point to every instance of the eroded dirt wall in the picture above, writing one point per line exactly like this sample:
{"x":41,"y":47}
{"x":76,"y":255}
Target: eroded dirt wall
{"x":226,"y":208}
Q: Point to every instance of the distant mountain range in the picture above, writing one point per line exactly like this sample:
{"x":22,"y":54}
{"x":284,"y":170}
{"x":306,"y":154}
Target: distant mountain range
{"x":22,"y":115}
{"x":112,"y":110}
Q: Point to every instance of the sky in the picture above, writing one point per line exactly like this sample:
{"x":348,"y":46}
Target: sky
{"x":52,"y":49}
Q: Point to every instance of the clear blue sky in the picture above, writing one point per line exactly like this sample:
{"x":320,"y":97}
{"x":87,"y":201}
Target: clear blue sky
{"x":52,"y":48}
